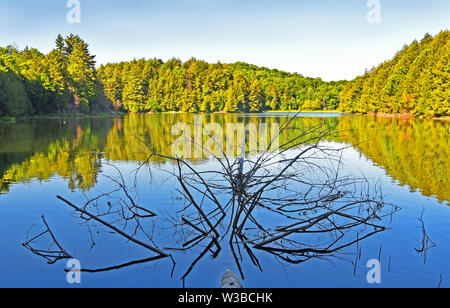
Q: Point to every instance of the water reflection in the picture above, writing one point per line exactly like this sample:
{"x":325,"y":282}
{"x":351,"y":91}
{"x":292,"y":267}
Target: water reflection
{"x":413,"y":152}
{"x":293,"y":204}
{"x":42,"y":149}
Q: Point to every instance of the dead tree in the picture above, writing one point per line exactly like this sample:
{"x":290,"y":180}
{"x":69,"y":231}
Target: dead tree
{"x":51,"y":254}
{"x":291,"y":202}
{"x":114,"y":212}
{"x":426,"y":243}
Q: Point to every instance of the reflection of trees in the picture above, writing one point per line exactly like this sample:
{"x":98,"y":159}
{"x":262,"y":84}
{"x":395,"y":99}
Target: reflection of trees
{"x":73,"y":148}
{"x":70,"y":148}
{"x":79,"y":167}
{"x":125,"y":139}
{"x":414,"y":152}
{"x":291,"y":203}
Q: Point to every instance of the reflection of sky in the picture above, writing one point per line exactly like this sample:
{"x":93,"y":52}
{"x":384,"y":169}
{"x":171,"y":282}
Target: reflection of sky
{"x":329,"y":39}
{"x":19,"y":268}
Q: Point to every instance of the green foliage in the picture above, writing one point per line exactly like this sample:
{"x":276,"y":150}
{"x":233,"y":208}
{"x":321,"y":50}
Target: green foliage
{"x":415,"y":152}
{"x":133,"y":92}
{"x":197,"y":86}
{"x":65,"y":80}
{"x":256,"y":97}
{"x":61,"y":81}
{"x":415,"y":81}
{"x":14,"y":100}
{"x":310,"y":105}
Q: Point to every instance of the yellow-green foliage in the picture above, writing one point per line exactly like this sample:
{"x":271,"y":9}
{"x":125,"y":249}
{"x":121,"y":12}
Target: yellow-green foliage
{"x":197,"y":86}
{"x":414,"y":152}
{"x":61,"y":81}
{"x":415,"y":81}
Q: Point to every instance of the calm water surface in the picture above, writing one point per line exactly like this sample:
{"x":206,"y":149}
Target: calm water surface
{"x":39,"y":159}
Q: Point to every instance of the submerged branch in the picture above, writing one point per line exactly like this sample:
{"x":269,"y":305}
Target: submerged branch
{"x":130,"y":238}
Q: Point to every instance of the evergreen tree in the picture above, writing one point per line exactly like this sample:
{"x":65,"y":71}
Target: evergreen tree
{"x":415,"y":81}
{"x":14,"y":100}
{"x":256,"y":97}
{"x":81,"y":72}
{"x":133,"y":92}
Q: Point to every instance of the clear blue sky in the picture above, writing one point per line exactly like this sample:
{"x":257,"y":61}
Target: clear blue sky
{"x":320,"y":38}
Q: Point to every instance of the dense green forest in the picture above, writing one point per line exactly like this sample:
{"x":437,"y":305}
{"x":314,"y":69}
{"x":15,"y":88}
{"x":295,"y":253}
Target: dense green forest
{"x":415,"y":81}
{"x":197,"y":86}
{"x":62,"y":81}
{"x":66,"y":81}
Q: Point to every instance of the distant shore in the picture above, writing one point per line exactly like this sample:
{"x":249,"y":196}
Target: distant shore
{"x":406,"y":116}
{"x":304,"y":111}
{"x":106,"y":114}
{"x":58,"y":116}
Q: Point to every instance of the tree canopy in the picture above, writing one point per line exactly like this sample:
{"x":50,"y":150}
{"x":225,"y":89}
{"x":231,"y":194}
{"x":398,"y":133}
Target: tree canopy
{"x":196,"y":86}
{"x":66,"y":81}
{"x":61,"y":81}
{"x":415,"y":81}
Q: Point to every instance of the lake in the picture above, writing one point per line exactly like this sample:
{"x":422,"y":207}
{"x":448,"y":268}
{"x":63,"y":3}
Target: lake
{"x":406,"y":161}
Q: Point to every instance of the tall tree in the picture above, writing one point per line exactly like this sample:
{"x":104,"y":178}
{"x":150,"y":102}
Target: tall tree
{"x":256,"y":97}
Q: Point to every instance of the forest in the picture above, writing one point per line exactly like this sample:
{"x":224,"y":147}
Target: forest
{"x":66,"y":81}
{"x":416,"y":81}
{"x":197,"y":86}
{"x":62,"y":81}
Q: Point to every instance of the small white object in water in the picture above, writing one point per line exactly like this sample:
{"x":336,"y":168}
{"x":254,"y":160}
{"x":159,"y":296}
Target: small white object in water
{"x":230,"y":281}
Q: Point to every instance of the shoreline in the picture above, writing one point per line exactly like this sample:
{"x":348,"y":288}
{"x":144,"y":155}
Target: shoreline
{"x":304,"y":111}
{"x":406,"y":116}
{"x":9,"y":119}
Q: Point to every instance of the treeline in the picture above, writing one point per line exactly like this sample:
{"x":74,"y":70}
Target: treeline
{"x":62,"y":81}
{"x":416,"y":81}
{"x":66,"y":81}
{"x":197,"y":86}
